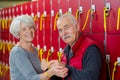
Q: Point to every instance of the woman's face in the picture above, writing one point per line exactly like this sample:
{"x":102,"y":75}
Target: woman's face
{"x":26,"y":33}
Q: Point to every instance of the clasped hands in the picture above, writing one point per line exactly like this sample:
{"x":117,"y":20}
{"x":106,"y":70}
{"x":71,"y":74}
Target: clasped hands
{"x":55,"y":68}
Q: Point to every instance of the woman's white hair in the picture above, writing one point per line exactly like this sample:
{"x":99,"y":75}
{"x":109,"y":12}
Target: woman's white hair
{"x":16,"y":24}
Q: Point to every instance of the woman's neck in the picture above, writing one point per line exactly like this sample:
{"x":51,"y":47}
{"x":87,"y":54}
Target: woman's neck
{"x":26,"y":46}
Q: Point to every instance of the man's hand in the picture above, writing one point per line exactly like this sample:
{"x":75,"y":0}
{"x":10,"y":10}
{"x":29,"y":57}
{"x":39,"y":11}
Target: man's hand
{"x":56,"y":63}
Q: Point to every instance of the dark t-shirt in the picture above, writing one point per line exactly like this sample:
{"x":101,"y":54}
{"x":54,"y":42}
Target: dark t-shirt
{"x":91,"y":64}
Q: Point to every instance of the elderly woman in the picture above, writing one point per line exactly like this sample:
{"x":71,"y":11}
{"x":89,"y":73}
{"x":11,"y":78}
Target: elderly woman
{"x":24,"y":61}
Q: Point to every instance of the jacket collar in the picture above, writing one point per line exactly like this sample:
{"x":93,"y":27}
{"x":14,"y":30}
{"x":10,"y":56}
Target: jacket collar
{"x":78,"y":43}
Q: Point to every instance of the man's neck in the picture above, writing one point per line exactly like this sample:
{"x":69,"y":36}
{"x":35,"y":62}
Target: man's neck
{"x":77,"y":36}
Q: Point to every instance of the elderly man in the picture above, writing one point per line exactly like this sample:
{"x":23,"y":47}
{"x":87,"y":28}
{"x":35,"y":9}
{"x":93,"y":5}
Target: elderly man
{"x":82,"y":53}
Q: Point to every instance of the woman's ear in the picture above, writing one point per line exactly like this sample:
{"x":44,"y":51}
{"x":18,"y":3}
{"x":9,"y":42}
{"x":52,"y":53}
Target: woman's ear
{"x":18,"y":35}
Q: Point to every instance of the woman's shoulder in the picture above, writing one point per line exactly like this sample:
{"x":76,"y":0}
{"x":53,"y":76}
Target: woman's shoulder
{"x":17,"y":50}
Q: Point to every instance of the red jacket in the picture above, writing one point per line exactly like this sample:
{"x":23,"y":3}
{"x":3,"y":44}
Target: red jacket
{"x":79,"y":49}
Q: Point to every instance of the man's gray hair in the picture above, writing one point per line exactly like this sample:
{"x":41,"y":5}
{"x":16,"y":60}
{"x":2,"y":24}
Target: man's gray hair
{"x":70,"y":17}
{"x":16,"y":24}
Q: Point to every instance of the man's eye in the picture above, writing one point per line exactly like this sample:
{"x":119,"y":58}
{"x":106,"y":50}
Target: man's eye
{"x":67,"y":27}
{"x":60,"y":31}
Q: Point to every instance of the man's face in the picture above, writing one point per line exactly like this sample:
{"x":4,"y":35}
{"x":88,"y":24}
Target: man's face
{"x":67,"y":31}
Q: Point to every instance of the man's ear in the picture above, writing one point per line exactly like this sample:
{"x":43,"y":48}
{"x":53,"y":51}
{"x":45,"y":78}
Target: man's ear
{"x":77,"y":26}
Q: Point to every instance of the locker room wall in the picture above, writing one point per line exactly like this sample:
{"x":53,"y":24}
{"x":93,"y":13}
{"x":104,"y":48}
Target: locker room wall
{"x":47,"y":35}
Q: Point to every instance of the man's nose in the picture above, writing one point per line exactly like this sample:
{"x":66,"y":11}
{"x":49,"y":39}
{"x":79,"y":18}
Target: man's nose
{"x":29,"y":30}
{"x":64,"y":32}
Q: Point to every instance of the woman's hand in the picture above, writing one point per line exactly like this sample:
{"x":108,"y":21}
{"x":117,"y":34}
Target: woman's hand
{"x":58,"y":68}
{"x":44,"y":65}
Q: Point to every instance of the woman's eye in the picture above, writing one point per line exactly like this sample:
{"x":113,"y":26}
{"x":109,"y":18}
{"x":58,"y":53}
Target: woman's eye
{"x":24,"y":29}
{"x":31,"y":27}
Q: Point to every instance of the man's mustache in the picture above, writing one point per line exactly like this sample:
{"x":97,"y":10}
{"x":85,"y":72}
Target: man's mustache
{"x":67,"y":36}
